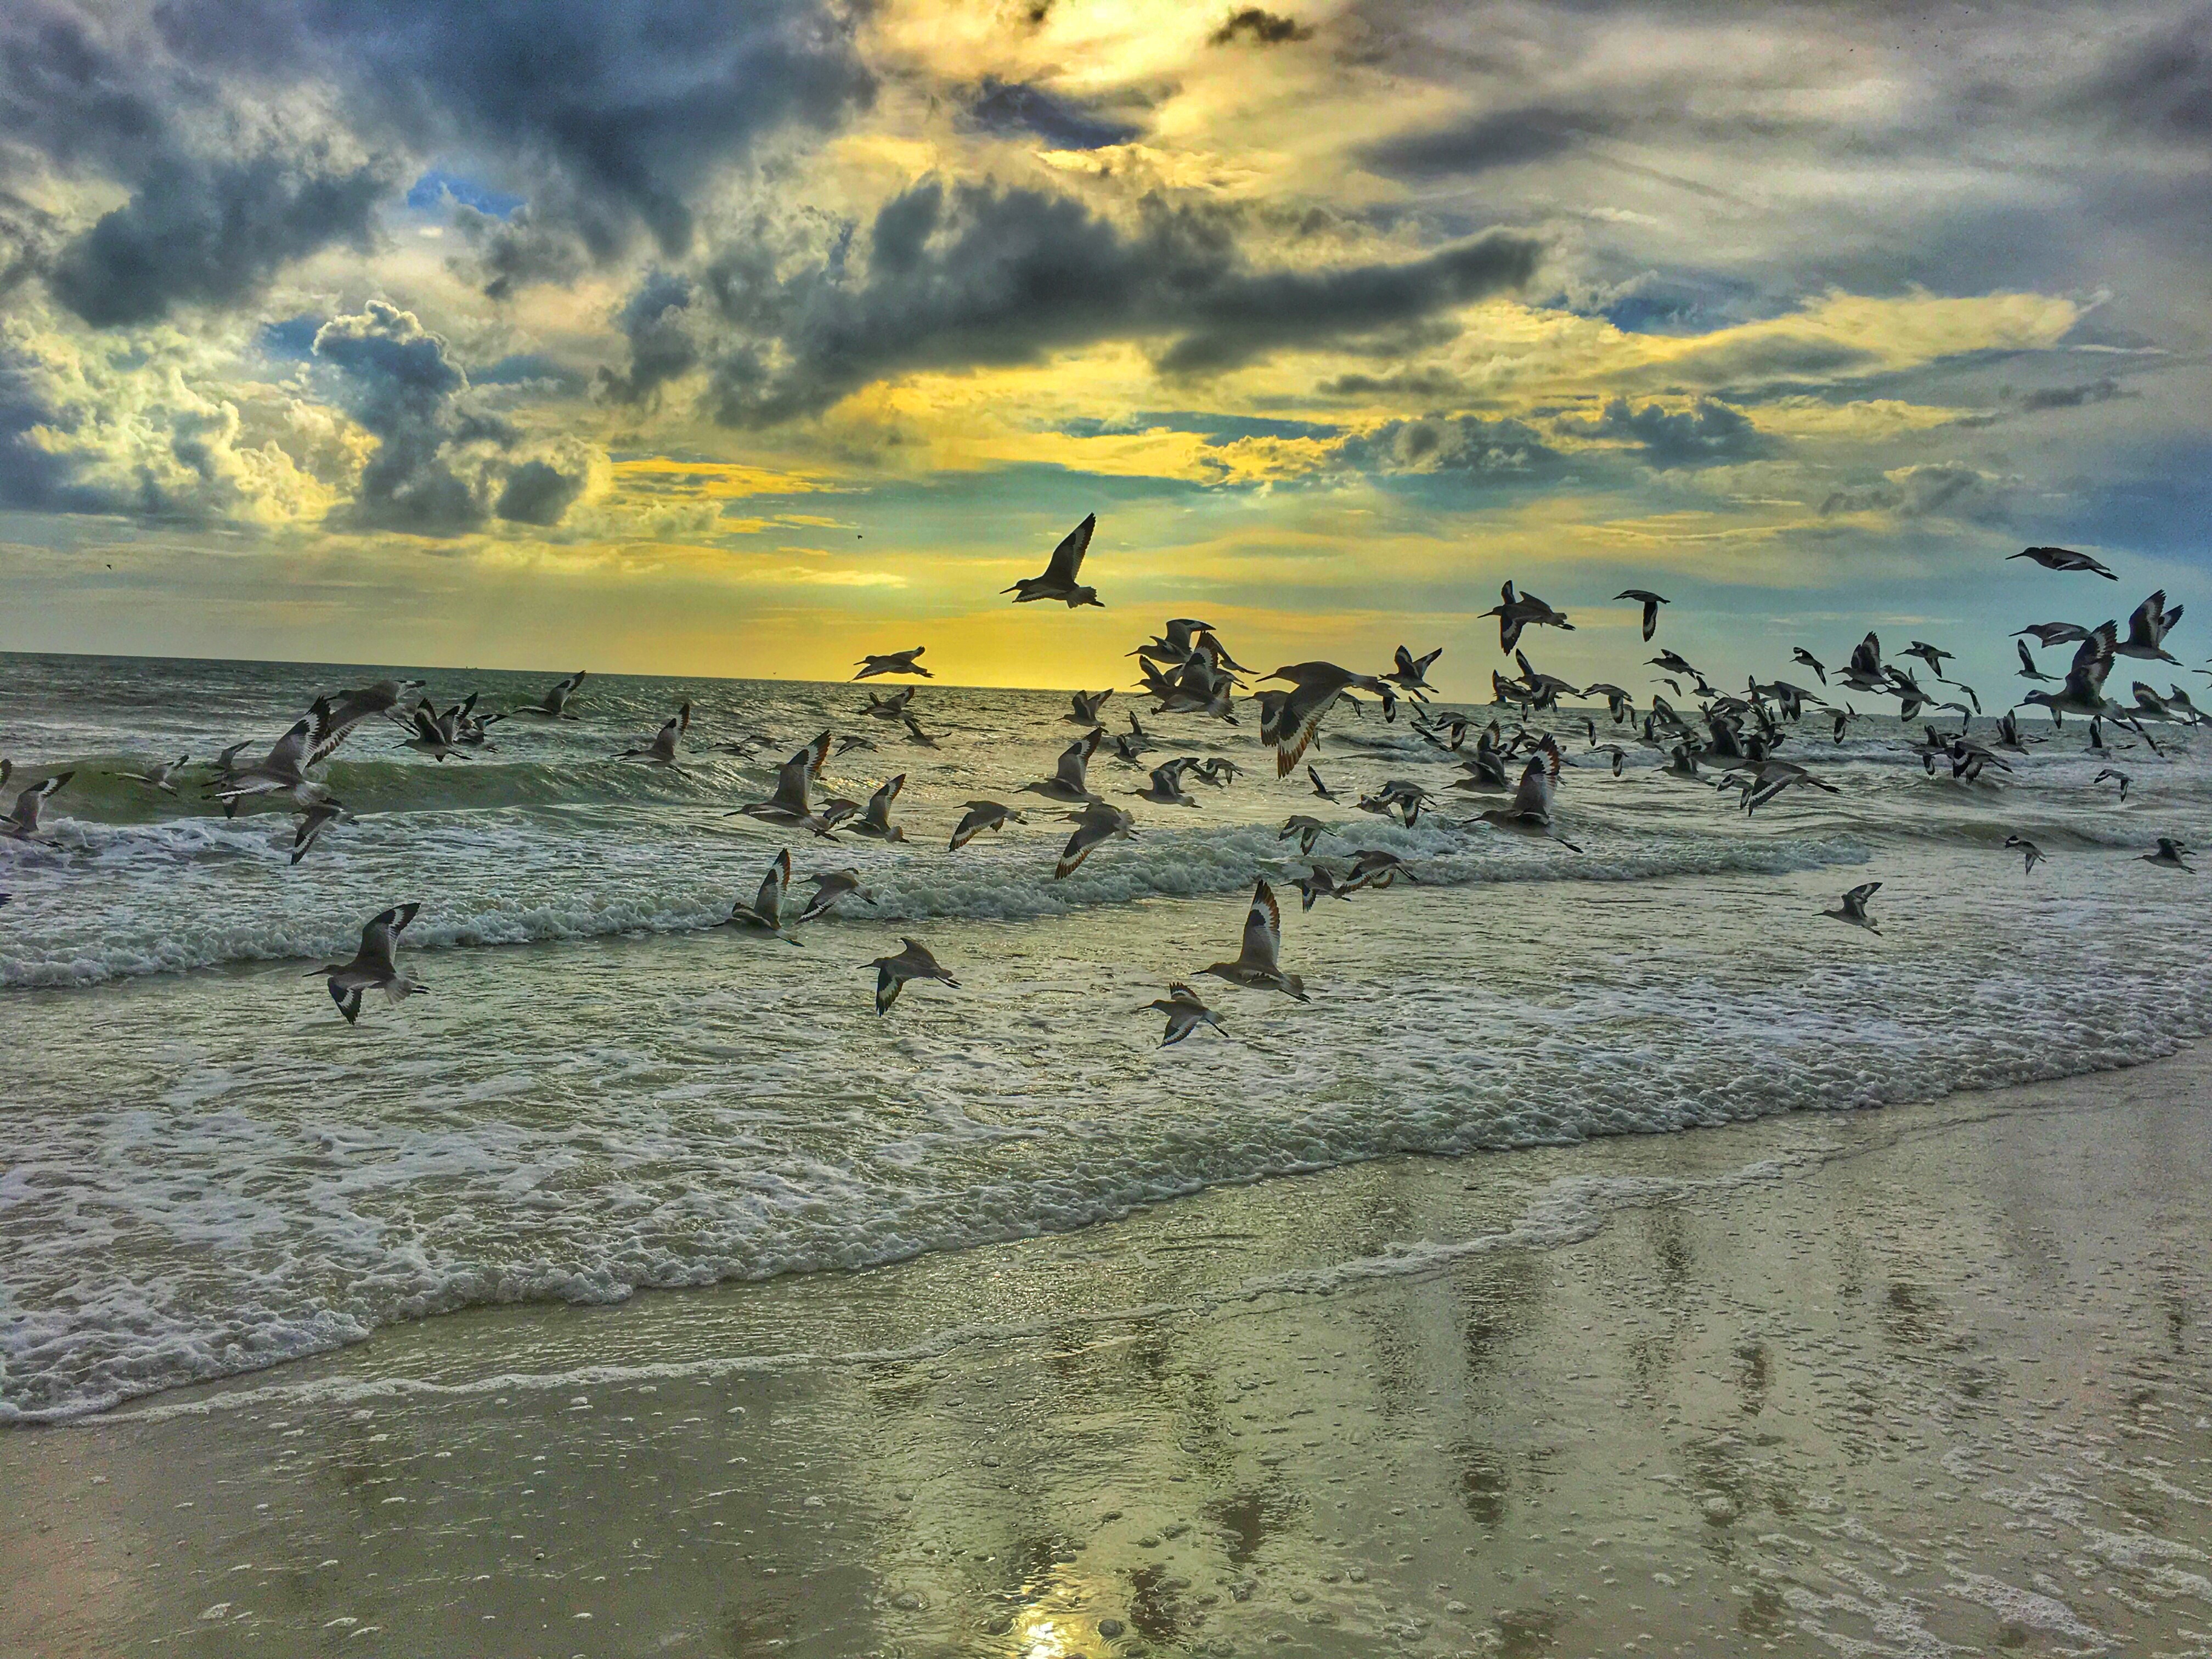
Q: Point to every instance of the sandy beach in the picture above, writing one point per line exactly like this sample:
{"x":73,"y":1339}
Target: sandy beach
{"x":1911,"y":1381}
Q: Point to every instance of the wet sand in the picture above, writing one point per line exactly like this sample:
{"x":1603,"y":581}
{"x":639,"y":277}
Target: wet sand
{"x":1910,"y":1382}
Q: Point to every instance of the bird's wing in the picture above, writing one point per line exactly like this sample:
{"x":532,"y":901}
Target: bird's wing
{"x":769,"y":905}
{"x":1263,"y":928}
{"x":1067,"y":557}
{"x":1861,"y":893}
{"x":2092,"y":660}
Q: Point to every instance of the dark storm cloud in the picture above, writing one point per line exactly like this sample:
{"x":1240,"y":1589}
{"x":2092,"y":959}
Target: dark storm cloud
{"x":2102,"y":391}
{"x":1498,"y":139}
{"x":1501,"y":450}
{"x":440,"y":468}
{"x":1007,"y":107}
{"x":1261,"y":28}
{"x":963,"y":275}
{"x":655,"y":321}
{"x":1706,"y":433}
{"x":610,"y":118}
{"x":1936,"y":490}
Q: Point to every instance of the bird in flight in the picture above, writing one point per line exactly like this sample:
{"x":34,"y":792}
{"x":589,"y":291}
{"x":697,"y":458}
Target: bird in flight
{"x":1059,"y":582}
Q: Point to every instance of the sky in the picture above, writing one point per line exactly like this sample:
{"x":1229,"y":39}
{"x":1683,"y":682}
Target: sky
{"x":738,"y":337}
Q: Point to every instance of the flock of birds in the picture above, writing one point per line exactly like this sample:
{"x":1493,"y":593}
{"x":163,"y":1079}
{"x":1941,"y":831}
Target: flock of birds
{"x":1731,"y":742}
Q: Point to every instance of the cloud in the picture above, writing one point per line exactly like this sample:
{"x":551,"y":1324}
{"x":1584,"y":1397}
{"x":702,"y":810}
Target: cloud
{"x":1706,"y":433}
{"x":958,"y":275}
{"x":1009,"y":107}
{"x":1261,"y":27}
{"x":442,"y":469}
{"x":654,"y":322}
{"x":1498,"y":450}
{"x":1938,"y":490}
{"x":1499,"y":139}
{"x":2099,"y":391}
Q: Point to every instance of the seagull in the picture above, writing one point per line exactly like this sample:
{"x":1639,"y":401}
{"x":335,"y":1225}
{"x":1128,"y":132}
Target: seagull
{"x":913,"y":962}
{"x":2169,"y":856}
{"x":2117,"y":776}
{"x":1798,"y":653}
{"x":1516,"y":612}
{"x":1530,"y":814}
{"x":1321,"y":788}
{"x":831,"y":886}
{"x":554,"y":705}
{"x":1257,"y":966}
{"x":2050,"y":633}
{"x":2147,"y":629}
{"x":982,"y":815}
{"x":2084,"y":690}
{"x":792,"y":803}
{"x":1290,"y":722}
{"x":765,"y":913}
{"x":1307,"y":830}
{"x":1086,"y":705}
{"x":1852,"y":907}
{"x":892,"y":707}
{"x":2028,"y":851}
{"x":1185,"y":1012}
{"x":661,"y":751}
{"x":2062,"y":558}
{"x":375,"y":966}
{"x":1166,"y":787}
{"x":1059,"y":582}
{"x":2028,"y":671}
{"x":314,"y":819}
{"x":1318,"y":883}
{"x":1070,"y":781}
{"x":23,"y":822}
{"x":1094,"y":823}
{"x":1651,"y":602}
{"x":158,"y":776}
{"x":1412,"y":674}
{"x":894,"y":662}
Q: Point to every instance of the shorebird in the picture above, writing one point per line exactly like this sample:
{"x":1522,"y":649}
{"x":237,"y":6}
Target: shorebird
{"x":22,"y":822}
{"x":1307,"y":830}
{"x":2115,"y":776}
{"x":1930,"y":654}
{"x":1843,"y":718}
{"x":2084,"y":693}
{"x":2170,"y":855}
{"x":1173,"y":646}
{"x":1070,"y":779}
{"x":1651,"y":602}
{"x":1516,"y":611}
{"x":1166,"y":787}
{"x":2062,"y":558}
{"x":1319,"y":787}
{"x":1614,"y":751}
{"x":1289,"y":722}
{"x":1397,"y":797}
{"x":1530,"y":814}
{"x":1618,"y":702}
{"x":765,"y":913}
{"x":915,"y":962}
{"x":661,"y":751}
{"x":1218,"y":770}
{"x":892,"y":707}
{"x":846,"y":745}
{"x":225,"y":766}
{"x":894,"y":662}
{"x":1059,"y":582}
{"x":2028,"y":671}
{"x":2147,"y":629}
{"x":375,"y":967}
{"x":831,"y":886}
{"x":1852,"y":907}
{"x":1864,"y":670}
{"x":435,"y":734}
{"x":554,"y":705}
{"x":875,"y":820}
{"x":1318,"y":883}
{"x":1411,"y":676}
{"x":1185,"y":1012}
{"x":1798,"y":653}
{"x":982,"y":815}
{"x":2008,"y":735}
{"x":1257,"y":963}
{"x":337,"y":716}
{"x":2030,"y":853}
{"x":1373,"y":867}
{"x":2050,"y":633}
{"x":1673,"y":662}
{"x":917,"y":737}
{"x":157,"y":777}
{"x":283,"y":770}
{"x":1084,"y":707}
{"x":1094,"y":824}
{"x":792,"y":803}
{"x":314,"y":819}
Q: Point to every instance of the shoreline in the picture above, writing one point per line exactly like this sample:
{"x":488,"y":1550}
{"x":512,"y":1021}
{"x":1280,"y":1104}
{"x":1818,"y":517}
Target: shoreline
{"x":1133,"y":1422}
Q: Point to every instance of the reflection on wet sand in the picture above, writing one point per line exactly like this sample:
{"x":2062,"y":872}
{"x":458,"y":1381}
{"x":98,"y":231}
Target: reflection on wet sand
{"x":1873,"y":1385}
